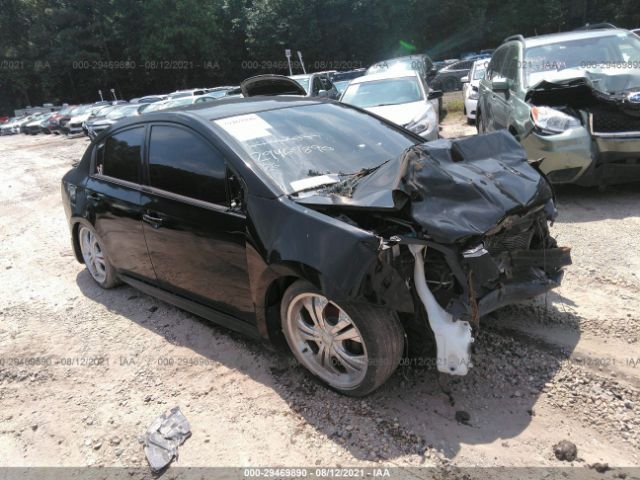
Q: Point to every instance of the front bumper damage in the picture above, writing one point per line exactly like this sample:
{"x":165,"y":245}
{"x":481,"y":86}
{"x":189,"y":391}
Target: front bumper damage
{"x":605,"y":149}
{"x":463,"y":227}
{"x":485,"y":283}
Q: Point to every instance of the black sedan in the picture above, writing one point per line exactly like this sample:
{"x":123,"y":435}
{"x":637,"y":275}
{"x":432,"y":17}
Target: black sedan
{"x":316,"y":225}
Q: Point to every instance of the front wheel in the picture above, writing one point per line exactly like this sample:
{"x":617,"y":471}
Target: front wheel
{"x":353,"y":349}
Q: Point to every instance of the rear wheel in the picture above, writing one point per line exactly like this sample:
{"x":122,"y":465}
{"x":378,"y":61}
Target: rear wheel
{"x":95,"y":258}
{"x":353,"y":349}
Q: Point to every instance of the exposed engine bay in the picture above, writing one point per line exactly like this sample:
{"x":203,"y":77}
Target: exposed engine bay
{"x":464,"y":230}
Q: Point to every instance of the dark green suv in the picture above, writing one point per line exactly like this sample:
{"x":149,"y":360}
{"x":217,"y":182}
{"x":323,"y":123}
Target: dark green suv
{"x":572,"y":99}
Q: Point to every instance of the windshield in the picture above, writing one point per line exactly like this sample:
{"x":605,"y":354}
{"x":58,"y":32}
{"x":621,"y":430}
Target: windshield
{"x":393,"y":91}
{"x":305,"y":143}
{"x":341,"y":85}
{"x":621,"y":51}
{"x":478,"y":73}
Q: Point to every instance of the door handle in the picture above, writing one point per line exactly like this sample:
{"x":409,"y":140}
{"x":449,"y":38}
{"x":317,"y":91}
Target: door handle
{"x":155,"y":222}
{"x":95,"y":196}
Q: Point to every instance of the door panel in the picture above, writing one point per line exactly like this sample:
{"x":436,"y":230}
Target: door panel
{"x":114,"y":199}
{"x":199,"y":252}
{"x":196,"y":245}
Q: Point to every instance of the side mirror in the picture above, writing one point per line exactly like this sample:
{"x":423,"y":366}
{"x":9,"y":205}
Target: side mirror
{"x":500,"y":85}
{"x":433,"y":94}
{"x":323,"y":93}
{"x":464,"y":79}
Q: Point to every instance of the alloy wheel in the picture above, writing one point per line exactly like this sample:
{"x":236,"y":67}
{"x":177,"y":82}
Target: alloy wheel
{"x":92,"y":254}
{"x":326,"y":340}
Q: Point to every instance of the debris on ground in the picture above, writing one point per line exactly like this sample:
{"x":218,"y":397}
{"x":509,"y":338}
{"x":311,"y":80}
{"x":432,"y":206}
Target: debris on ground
{"x":565,"y":451}
{"x":164,"y":436}
{"x":600,"y":467}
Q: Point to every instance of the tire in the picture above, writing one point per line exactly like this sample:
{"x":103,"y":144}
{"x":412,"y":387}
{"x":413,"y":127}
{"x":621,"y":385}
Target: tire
{"x":479,"y":123}
{"x":95,"y":258}
{"x":362,"y":344}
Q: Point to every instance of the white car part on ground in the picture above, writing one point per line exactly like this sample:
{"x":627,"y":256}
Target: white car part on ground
{"x":453,"y":337}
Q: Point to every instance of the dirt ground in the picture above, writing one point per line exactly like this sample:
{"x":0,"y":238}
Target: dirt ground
{"x":84,"y":371}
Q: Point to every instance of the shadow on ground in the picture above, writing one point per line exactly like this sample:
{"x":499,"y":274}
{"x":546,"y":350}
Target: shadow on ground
{"x":590,"y":204}
{"x":417,"y":410}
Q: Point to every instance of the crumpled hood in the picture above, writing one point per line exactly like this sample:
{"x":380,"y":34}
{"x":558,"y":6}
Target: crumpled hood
{"x":454,"y":189}
{"x":400,"y":114}
{"x":580,"y":88}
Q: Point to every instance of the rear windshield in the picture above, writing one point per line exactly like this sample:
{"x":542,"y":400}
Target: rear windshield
{"x":295,"y":144}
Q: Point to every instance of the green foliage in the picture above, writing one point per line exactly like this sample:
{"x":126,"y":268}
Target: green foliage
{"x":67,"y":50}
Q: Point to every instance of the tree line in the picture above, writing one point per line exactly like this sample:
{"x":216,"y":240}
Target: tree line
{"x":66,"y":50}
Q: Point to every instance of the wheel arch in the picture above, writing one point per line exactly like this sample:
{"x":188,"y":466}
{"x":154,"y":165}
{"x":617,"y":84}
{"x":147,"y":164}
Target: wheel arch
{"x":76,"y":222}
{"x":268,"y":287}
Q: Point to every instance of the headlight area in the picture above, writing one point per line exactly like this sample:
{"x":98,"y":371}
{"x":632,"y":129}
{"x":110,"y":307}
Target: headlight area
{"x":549,"y":121}
{"x":425,"y":123}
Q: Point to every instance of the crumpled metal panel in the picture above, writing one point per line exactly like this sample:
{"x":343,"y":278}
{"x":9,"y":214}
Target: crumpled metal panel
{"x":456,"y":188}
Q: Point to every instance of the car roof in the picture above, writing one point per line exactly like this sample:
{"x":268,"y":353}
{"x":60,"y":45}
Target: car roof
{"x":385,"y":76}
{"x":402,"y":59}
{"x":551,"y":38}
{"x":229,"y":107}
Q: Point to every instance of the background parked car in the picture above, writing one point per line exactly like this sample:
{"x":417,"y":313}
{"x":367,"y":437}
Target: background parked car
{"x":57,"y":117}
{"x":81,"y":115}
{"x":187,"y":93}
{"x":341,"y":79}
{"x":420,"y":63}
{"x":448,"y":78}
{"x":10,"y":127}
{"x":572,"y":100}
{"x":317,"y":84}
{"x":113,"y":116}
{"x":36,"y":126}
{"x":29,"y":119}
{"x":218,"y":92}
{"x":401,"y":97}
{"x":151,"y":99}
{"x":470,"y":85}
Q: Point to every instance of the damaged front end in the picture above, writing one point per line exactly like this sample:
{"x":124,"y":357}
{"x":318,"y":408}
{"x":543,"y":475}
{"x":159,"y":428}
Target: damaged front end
{"x":464,"y":230}
{"x":593,"y":137}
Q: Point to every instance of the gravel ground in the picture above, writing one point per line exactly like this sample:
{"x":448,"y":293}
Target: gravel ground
{"x":84,"y":371}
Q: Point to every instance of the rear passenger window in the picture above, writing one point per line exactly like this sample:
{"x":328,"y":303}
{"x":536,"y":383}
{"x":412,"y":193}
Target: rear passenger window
{"x":181,"y":162}
{"x":121,"y":155}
